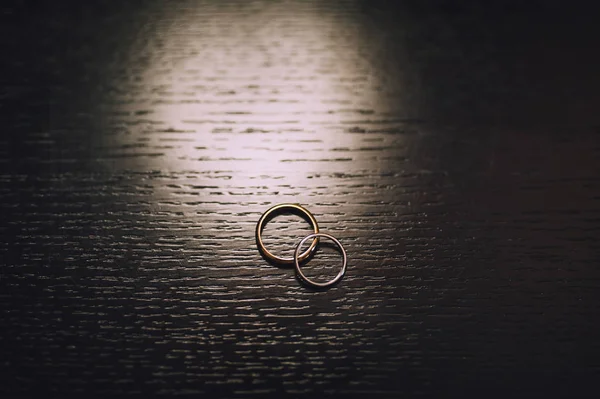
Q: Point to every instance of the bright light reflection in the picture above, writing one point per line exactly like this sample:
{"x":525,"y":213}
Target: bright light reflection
{"x":269,"y":90}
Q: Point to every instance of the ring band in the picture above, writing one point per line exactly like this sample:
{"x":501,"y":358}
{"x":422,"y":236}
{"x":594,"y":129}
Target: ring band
{"x":297,"y":261}
{"x":279,"y":209}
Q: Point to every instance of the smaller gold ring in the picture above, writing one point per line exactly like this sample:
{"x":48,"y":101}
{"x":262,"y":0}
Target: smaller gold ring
{"x":282,"y":209}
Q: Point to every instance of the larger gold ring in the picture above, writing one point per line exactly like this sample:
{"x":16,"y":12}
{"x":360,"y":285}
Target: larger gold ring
{"x":282,"y":209}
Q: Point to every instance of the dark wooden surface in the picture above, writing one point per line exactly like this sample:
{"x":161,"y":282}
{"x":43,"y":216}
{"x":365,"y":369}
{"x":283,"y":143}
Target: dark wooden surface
{"x":453,"y":148}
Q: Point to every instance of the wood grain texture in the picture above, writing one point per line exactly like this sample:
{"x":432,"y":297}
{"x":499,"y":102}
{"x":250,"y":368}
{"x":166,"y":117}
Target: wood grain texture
{"x":142,"y":142}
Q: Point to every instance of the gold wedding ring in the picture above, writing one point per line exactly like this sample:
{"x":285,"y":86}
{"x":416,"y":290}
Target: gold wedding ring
{"x":286,"y":209}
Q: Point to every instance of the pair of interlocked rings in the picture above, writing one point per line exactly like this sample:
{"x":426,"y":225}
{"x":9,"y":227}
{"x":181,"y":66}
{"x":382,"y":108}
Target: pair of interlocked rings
{"x":298,"y":257}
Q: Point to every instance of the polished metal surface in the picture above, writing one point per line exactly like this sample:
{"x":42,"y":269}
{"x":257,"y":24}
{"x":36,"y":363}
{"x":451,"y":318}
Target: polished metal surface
{"x":298,"y":260}
{"x":272,"y":212}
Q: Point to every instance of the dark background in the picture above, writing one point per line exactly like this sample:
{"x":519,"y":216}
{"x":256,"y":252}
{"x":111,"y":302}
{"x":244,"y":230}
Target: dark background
{"x":453,"y":148}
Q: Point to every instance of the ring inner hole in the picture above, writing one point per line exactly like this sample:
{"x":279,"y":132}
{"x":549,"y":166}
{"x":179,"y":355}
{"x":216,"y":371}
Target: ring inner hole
{"x":325,"y":263}
{"x":282,"y":232}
